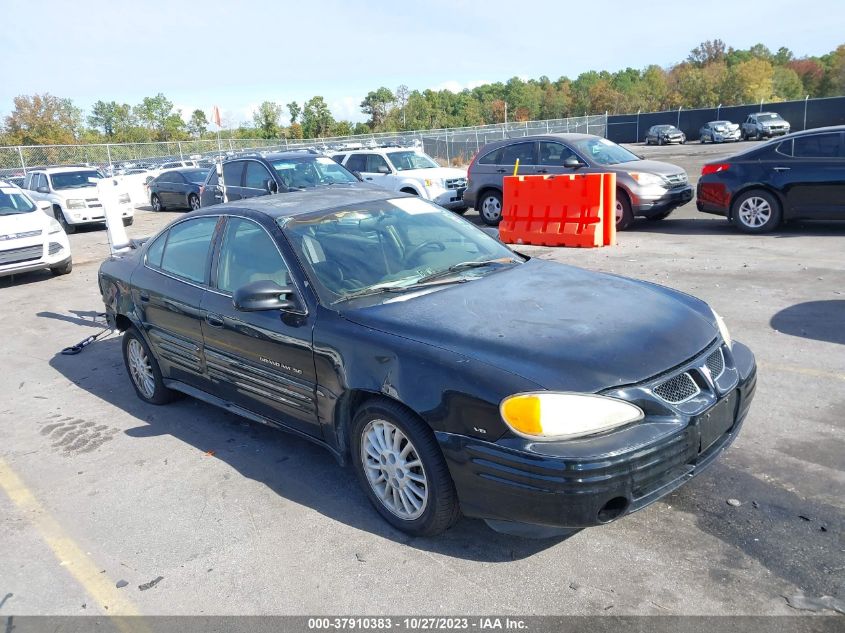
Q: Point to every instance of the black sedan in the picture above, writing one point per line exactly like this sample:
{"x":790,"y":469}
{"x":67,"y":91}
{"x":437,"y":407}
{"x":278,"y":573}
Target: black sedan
{"x":177,"y":188}
{"x":664,"y":135}
{"x":799,"y":175}
{"x":455,"y":375}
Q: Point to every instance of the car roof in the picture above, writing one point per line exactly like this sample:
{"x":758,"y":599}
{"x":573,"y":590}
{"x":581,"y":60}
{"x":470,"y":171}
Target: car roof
{"x":62,"y":170}
{"x":296,"y":203}
{"x":275,"y":156}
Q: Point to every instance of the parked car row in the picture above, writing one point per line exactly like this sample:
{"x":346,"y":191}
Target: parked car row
{"x":757,"y":126}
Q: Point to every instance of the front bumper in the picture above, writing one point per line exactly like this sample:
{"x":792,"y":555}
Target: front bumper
{"x":95,"y":215}
{"x":19,"y":258}
{"x":768,"y":133}
{"x":595,"y":480}
{"x":649,"y":205}
{"x":450,"y":198}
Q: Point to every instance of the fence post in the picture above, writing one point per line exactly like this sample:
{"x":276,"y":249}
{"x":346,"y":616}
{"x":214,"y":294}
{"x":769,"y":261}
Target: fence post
{"x":679,"y":116}
{"x":637,"y":137}
{"x":23,"y":162}
{"x":805,"y":111}
{"x":448,"y":159}
{"x":179,"y":145}
{"x":477,"y":146}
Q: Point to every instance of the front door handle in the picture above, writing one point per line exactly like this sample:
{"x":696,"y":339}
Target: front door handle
{"x":144,"y":297}
{"x":213,"y":320}
{"x":501,"y":171}
{"x":782,"y":168}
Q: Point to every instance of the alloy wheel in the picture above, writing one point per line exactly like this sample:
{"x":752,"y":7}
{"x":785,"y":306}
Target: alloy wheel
{"x":754,"y":212}
{"x":394,"y":469}
{"x":194,"y":201}
{"x":620,"y":212}
{"x":140,"y":368}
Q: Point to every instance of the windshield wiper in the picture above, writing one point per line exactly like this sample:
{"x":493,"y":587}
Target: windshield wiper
{"x":455,"y":268}
{"x":373,"y":290}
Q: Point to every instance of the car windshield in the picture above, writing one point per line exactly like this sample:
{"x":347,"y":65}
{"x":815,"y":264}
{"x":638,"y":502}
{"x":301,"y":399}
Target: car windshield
{"x":75,"y":179}
{"x":411,"y":160}
{"x":390,"y":246}
{"x":719,"y":125}
{"x":306,"y":172}
{"x":602,"y":151}
{"x":198,"y":176}
{"x":768,"y":117}
{"x":13,"y":202}
{"x":664,"y":128}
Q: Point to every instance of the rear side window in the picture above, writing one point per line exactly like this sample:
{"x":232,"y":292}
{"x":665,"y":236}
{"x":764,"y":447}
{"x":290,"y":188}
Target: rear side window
{"x":155,"y":251}
{"x":817,"y":146}
{"x":186,"y":251}
{"x":232,"y":173}
{"x":338,"y":158}
{"x":493,"y":158}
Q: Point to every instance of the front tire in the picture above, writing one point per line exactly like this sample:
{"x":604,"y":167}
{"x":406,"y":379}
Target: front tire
{"x":756,"y":211}
{"x":60,"y":217}
{"x":64,"y":269}
{"x":490,"y":208}
{"x":193,"y":202}
{"x":402,"y":470}
{"x":143,"y":370}
{"x":128,"y":221}
{"x":624,"y":214}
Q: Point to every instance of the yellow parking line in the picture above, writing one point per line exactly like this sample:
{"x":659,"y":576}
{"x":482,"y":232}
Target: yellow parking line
{"x":807,"y":371}
{"x":101,"y":588}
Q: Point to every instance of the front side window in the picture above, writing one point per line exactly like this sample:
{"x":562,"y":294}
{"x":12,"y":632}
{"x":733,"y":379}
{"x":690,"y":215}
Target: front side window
{"x":256,"y":175}
{"x":374,"y":162}
{"x":248,"y":254}
{"x":554,"y":153}
{"x":186,"y":250}
{"x":75,"y":179}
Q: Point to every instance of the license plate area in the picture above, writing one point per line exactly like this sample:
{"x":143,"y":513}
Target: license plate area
{"x":717,"y":421}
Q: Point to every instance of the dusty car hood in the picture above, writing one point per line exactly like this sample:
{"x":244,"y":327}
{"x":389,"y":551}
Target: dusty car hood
{"x":649,"y":166}
{"x":558,"y":326}
{"x":434,"y":172}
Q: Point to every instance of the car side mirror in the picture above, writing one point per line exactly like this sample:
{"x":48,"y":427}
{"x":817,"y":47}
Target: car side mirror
{"x":383,"y":169}
{"x":263,"y":295}
{"x":572,"y":163}
{"x":43,"y":189}
{"x":271,"y":186}
{"x":358,"y":175}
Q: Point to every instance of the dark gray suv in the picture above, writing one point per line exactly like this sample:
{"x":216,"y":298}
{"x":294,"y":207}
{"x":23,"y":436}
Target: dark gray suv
{"x":256,"y":175}
{"x":645,"y":188}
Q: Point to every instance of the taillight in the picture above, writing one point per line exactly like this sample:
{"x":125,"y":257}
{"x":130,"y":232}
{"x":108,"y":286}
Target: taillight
{"x":714,"y":168}
{"x":472,"y":163}
{"x":202,"y":188}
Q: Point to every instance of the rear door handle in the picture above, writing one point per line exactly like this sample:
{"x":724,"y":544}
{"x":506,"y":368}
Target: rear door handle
{"x":144,"y":297}
{"x":213,"y":320}
{"x":542,"y":171}
{"x":501,"y":171}
{"x":782,"y":168}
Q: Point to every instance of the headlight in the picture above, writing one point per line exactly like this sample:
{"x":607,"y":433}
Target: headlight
{"x":123,"y":198}
{"x":723,"y":329}
{"x":434,"y":182}
{"x":74,"y":203}
{"x":54,"y":228}
{"x":647,"y":179}
{"x":546,"y":415}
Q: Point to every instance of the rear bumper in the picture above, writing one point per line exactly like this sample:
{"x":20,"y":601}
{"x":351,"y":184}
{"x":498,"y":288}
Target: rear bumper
{"x":649,"y":205}
{"x":499,"y":483}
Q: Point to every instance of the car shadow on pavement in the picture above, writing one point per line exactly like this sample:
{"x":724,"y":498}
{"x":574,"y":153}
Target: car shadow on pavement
{"x":292,"y":467}
{"x":720,"y":226}
{"x":818,"y":320}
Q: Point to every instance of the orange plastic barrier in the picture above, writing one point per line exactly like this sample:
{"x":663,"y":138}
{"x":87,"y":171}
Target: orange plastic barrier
{"x":559,"y":210}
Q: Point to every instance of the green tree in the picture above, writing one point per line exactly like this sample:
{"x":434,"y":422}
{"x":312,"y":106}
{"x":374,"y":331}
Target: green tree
{"x":295,"y":131}
{"x":43,"y":119}
{"x":295,"y":110}
{"x":377,"y":104}
{"x":342,"y":128}
{"x":749,"y":82}
{"x":707,"y":53}
{"x":267,"y":120}
{"x":786,"y":84}
{"x":317,"y":119}
{"x":155,"y":113}
{"x":108,"y":117}
{"x":198,"y":123}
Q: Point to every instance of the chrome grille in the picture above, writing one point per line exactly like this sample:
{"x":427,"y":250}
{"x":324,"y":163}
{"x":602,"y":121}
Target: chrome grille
{"x":456,"y":183}
{"x":677,"y":180}
{"x":93,"y":202}
{"x":25,"y":254}
{"x":678,"y":389}
{"x":55,"y":247}
{"x":716,"y":364}
{"x":17,"y":236}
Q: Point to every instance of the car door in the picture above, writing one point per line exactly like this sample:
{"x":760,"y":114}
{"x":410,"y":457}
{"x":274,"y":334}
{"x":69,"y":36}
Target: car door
{"x":170,"y":185}
{"x":261,"y":361}
{"x":233,"y":179}
{"x":357,"y":163}
{"x":255,"y":180}
{"x":377,"y":170}
{"x":168,"y":291}
{"x":813,"y":181}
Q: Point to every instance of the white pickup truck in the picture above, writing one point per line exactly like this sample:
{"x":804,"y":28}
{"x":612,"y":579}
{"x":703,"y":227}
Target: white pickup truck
{"x":72,"y":191}
{"x":408,"y":170}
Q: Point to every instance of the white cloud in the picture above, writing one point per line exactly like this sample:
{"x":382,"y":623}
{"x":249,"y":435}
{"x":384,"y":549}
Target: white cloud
{"x":347,"y":109}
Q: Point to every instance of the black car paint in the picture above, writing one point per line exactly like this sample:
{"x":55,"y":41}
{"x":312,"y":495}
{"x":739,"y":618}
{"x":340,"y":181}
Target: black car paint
{"x":175,"y":194}
{"x":316,"y":364}
{"x":811,"y":188}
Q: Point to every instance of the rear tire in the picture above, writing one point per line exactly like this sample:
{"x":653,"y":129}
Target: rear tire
{"x":756,"y":211}
{"x":155,"y":202}
{"x":128,"y":221}
{"x":143,"y":370}
{"x":64,"y":269}
{"x":624,"y":214}
{"x":402,"y":470}
{"x":490,"y":207}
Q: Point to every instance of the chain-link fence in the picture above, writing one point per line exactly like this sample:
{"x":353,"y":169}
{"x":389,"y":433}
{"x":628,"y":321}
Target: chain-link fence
{"x":451,"y":146}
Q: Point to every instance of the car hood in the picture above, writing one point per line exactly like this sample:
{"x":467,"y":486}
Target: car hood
{"x":434,"y":172}
{"x":24,"y":222}
{"x":558,"y":326}
{"x":649,"y":166}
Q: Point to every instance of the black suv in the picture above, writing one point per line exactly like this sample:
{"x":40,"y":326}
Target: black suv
{"x":256,"y":175}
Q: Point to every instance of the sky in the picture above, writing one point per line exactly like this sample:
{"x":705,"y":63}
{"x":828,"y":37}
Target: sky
{"x":237,"y":53}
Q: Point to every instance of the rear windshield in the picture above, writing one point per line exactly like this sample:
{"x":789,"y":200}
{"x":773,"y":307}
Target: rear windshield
{"x":197,"y":176}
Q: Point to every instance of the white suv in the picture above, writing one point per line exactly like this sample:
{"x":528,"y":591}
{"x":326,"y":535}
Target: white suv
{"x":408,"y":170}
{"x":29,"y":238}
{"x":72,"y":191}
